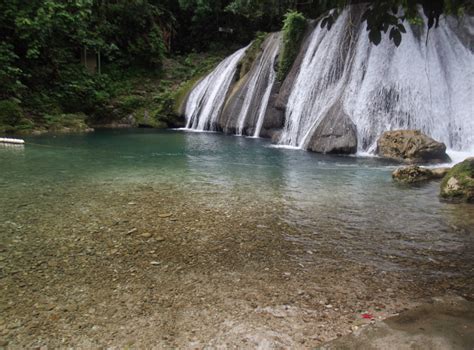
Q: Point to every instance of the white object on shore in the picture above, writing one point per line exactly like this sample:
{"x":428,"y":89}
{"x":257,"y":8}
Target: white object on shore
{"x":14,"y":141}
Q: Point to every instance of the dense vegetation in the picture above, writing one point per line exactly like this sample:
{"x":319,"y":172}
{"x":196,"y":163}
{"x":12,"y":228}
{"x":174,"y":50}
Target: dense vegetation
{"x":293,"y":31}
{"x":67,"y":62}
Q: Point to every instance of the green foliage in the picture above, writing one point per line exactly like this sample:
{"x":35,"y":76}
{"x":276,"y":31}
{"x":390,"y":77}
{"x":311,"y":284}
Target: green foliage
{"x":127,"y":104}
{"x":64,"y":122}
{"x":24,"y":125}
{"x":41,"y":42}
{"x":293,"y":32}
{"x":133,"y":32}
{"x":10,"y":112}
{"x":79,"y":91}
{"x":385,"y":15}
{"x":10,"y":74}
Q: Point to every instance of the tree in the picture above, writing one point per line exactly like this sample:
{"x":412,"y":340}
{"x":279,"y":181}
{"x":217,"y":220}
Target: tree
{"x":384,"y":15}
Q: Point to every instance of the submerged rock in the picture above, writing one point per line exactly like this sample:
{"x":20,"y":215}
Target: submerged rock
{"x":411,"y":146}
{"x":336,"y":133}
{"x":414,"y":174}
{"x":458,"y":184}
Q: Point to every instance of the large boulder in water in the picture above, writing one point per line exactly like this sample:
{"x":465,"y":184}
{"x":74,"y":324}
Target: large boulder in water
{"x":458,"y":184}
{"x":411,"y":146}
{"x":336,"y":133}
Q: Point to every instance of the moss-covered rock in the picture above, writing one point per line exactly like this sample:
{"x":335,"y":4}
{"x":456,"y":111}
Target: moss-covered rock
{"x":146,"y":119}
{"x":251,"y":55}
{"x":458,"y":184}
{"x":182,"y":93}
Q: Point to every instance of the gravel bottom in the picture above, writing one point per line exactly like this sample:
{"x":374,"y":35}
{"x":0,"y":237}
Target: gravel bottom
{"x":103,"y":265}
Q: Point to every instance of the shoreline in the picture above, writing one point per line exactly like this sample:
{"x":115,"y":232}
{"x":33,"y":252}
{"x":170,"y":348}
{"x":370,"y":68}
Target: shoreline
{"x":160,"y":267}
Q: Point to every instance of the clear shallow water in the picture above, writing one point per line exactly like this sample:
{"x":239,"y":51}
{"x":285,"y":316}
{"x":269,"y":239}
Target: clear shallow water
{"x":347,"y":204}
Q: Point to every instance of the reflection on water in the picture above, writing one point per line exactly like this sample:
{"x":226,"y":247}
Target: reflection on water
{"x":348,"y":203}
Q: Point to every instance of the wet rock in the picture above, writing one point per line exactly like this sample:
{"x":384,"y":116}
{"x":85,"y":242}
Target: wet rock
{"x":411,"y":146}
{"x":413,"y":174}
{"x":336,"y":133}
{"x":275,"y":136}
{"x":458,"y":184}
{"x":439,"y":173}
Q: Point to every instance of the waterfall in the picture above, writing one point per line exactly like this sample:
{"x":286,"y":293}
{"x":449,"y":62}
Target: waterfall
{"x":207,"y":98}
{"x":427,"y":85}
{"x":261,"y":79}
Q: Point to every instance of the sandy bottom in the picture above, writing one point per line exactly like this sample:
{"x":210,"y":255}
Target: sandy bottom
{"x":158,"y":266}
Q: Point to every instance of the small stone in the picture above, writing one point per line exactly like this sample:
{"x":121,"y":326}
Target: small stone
{"x":155,"y":263}
{"x":15,"y":325}
{"x":146,"y":235}
{"x":328,"y":306}
{"x":165,"y":215}
{"x":159,"y":239}
{"x":132,"y":231}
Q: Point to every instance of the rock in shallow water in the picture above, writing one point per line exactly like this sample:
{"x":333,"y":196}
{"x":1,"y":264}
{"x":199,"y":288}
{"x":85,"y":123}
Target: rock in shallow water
{"x":458,"y":184}
{"x":439,"y":173}
{"x":336,"y":133}
{"x":411,"y":146}
{"x":412,"y":174}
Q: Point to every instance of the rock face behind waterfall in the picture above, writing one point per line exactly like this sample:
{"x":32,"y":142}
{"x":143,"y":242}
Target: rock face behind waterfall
{"x":422,"y":84}
{"x":336,"y":133}
{"x":245,"y":111}
{"x":411,"y":146}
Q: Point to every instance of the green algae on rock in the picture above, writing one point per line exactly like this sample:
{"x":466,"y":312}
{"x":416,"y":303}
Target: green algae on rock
{"x":458,"y":184}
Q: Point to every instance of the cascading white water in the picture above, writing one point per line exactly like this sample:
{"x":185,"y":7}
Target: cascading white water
{"x":263,"y":74}
{"x":418,"y":85}
{"x":208,"y":97}
{"x":273,"y":54}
